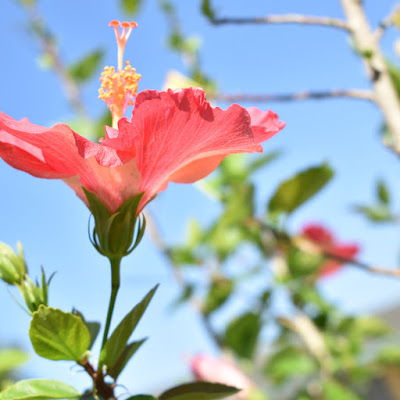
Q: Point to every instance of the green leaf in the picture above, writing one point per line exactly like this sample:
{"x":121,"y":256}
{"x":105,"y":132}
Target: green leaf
{"x":115,"y":345}
{"x":94,"y":329}
{"x":287,"y":363}
{"x":57,"y":335}
{"x":263,"y":160}
{"x":242,"y":334}
{"x":295,"y":191}
{"x":336,"y":391}
{"x":131,"y":7}
{"x":198,"y":391}
{"x":142,"y":397}
{"x":377,"y":213}
{"x":93,"y":326}
{"x":218,"y":294}
{"x":371,"y":327}
{"x":126,"y":355}
{"x":207,"y":10}
{"x":84,"y":69}
{"x":394,"y":73}
{"x":11,"y":358}
{"x":382,"y":192}
{"x":39,"y":389}
{"x":390,"y":355}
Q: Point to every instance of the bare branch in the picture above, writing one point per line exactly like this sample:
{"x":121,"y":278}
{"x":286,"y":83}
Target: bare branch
{"x":306,"y":95}
{"x":285,"y":19}
{"x":386,"y":23}
{"x":365,"y":42}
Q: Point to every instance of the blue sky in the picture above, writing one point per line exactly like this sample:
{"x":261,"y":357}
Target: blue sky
{"x":51,"y":222}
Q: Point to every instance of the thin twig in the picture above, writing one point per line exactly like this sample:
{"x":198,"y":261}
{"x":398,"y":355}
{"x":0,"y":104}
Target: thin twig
{"x":386,"y":23}
{"x":315,"y":248}
{"x":196,"y":302}
{"x":46,"y":42}
{"x":284,"y":19}
{"x":306,"y":95}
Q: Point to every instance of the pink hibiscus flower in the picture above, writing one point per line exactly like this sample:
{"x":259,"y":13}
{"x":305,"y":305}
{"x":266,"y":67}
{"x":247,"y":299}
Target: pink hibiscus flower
{"x":329,"y":244}
{"x":173,"y":136}
{"x":217,"y":370}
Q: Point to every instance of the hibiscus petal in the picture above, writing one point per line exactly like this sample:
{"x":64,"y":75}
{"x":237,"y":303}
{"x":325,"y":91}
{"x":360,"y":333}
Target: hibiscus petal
{"x":264,"y":124}
{"x":60,"y":153}
{"x":179,"y":137}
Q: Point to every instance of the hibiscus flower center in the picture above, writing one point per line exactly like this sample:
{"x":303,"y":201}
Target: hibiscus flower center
{"x":118,"y":88}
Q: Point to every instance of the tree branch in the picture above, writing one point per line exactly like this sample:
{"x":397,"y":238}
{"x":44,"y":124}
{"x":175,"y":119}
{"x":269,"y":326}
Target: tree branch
{"x":386,"y":23}
{"x":306,"y":95}
{"x":284,"y":19}
{"x":367,"y":46}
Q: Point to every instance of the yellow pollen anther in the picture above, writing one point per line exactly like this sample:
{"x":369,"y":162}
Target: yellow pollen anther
{"x":118,"y":88}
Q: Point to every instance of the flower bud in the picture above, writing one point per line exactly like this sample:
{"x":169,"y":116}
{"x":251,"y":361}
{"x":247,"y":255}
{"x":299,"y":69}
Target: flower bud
{"x":12,"y":265}
{"x":116,"y":235}
{"x":35,"y":294}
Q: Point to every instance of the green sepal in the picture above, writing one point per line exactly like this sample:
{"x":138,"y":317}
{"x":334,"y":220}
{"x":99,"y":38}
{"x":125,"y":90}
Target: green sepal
{"x":57,"y":335}
{"x":198,"y":391}
{"x":39,"y":389}
{"x":117,"y":342}
{"x":113,"y":234}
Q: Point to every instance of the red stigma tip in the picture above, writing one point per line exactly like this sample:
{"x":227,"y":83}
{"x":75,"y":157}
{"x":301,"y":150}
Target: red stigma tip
{"x":125,"y":24}
{"x":114,"y":23}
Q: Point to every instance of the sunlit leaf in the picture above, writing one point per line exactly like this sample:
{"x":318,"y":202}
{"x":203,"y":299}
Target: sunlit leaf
{"x":117,"y":342}
{"x":131,"y":7}
{"x":218,"y":294}
{"x":293,"y":192}
{"x":198,"y":391}
{"x":242,"y":334}
{"x":39,"y":389}
{"x":57,"y":335}
{"x":11,"y":358}
{"x":335,"y":391}
{"x":85,"y":68}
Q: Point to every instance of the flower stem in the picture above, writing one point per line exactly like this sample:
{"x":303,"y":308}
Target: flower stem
{"x":115,"y":282}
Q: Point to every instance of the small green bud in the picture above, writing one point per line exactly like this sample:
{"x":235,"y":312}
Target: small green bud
{"x":12,"y":265}
{"x":35,"y":294}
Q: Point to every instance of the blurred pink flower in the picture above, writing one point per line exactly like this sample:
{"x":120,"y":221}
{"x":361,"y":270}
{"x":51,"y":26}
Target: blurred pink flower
{"x":218,"y":370}
{"x":324,"y":238}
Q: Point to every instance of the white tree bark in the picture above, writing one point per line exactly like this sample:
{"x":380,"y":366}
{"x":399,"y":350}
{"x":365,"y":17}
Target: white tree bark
{"x":366,"y":43}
